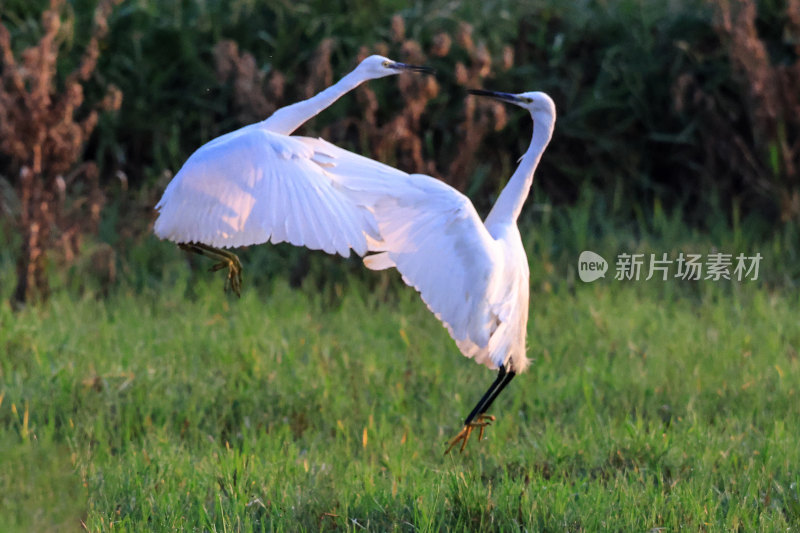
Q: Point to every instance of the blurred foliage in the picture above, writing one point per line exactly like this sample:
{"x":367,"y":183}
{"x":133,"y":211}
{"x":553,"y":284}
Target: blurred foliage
{"x":653,"y":109}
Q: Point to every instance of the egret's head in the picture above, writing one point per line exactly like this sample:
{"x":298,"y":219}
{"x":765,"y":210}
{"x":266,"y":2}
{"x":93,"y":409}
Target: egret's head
{"x":540,"y":106}
{"x":379,"y":66}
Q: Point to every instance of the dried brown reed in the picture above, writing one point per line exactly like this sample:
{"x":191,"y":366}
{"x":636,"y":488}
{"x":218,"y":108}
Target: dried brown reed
{"x":770,"y":160}
{"x":43,"y":129}
{"x":255,"y":95}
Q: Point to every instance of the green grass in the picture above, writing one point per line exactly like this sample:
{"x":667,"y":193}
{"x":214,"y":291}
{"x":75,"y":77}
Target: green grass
{"x":648,"y":406}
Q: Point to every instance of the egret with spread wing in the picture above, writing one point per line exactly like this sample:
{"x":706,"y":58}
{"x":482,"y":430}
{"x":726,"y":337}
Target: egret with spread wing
{"x":473,"y":275}
{"x":259,"y":184}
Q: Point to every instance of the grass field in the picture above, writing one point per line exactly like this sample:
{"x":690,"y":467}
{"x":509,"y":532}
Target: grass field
{"x":649,"y":406}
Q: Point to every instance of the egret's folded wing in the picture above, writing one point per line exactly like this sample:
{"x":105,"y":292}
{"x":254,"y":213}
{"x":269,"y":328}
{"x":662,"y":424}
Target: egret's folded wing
{"x":435,"y":238}
{"x":252,"y":186}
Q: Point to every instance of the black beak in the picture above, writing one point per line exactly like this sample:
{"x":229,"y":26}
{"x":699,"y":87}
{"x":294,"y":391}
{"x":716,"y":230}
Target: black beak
{"x":412,"y":68}
{"x":505,"y":97}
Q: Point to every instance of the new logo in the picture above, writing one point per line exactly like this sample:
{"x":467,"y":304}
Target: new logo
{"x":591,"y":266}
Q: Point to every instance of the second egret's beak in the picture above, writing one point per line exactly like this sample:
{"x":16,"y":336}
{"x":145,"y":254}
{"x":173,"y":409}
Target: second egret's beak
{"x":412,"y":68}
{"x":505,"y":97}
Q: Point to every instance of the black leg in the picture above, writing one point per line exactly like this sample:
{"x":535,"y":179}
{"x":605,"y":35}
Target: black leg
{"x":508,"y":377}
{"x":488,"y":397}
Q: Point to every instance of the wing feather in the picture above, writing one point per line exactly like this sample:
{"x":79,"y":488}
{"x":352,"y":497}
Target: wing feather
{"x":275,"y":227}
{"x":435,"y":238}
{"x":253,"y":186}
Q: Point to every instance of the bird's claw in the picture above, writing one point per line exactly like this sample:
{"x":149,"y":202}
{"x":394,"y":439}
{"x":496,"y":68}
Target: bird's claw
{"x":234,"y":280}
{"x":486,"y":420}
{"x":226,"y":260}
{"x":482,"y":421}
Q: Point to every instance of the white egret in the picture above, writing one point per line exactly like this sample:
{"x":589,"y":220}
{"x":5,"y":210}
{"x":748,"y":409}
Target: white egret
{"x":259,"y":184}
{"x":473,"y":275}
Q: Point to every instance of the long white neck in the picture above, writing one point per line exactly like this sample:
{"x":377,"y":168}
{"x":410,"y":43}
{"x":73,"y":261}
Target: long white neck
{"x":289,"y":118}
{"x":508,"y":206}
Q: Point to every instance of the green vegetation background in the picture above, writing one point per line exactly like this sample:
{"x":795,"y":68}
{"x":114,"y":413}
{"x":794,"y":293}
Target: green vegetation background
{"x":147,"y":400}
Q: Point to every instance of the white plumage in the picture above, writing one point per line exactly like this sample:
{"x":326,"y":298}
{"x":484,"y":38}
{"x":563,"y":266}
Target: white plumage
{"x":259,"y":184}
{"x":253,"y":186}
{"x":472,"y":275}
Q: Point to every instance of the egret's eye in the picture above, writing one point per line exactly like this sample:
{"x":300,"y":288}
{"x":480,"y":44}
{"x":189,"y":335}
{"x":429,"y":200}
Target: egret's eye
{"x":528,"y":100}
{"x":386,"y":64}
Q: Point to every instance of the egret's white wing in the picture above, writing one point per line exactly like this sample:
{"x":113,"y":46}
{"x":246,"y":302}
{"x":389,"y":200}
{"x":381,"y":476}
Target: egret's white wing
{"x":432,"y":234}
{"x":252,"y":186}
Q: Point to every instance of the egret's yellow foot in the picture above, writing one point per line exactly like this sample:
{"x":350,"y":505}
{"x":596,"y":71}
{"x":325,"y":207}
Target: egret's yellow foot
{"x":226,"y":259}
{"x":234,"y":280}
{"x":481,"y":422}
